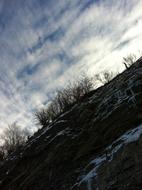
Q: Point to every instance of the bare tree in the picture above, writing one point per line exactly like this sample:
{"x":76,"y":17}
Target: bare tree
{"x":13,"y":137}
{"x":65,"y":99}
{"x":129,"y":60}
{"x":105,"y":77}
{"x":42,"y":117}
{"x":83,"y":86}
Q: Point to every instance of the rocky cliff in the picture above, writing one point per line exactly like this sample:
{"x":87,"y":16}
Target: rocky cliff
{"x":97,"y":145}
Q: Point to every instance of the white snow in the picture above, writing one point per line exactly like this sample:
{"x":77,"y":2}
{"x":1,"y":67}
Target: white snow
{"x":45,"y":131}
{"x":132,"y":135}
{"x":98,"y":160}
{"x":122,"y":93}
{"x":63,"y":132}
{"x":128,"y":137}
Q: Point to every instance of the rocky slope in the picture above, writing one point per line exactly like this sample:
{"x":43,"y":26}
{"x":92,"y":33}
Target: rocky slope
{"x":97,"y":145}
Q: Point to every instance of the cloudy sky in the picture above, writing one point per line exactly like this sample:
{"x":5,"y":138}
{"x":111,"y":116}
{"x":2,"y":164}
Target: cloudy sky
{"x":44,"y":43}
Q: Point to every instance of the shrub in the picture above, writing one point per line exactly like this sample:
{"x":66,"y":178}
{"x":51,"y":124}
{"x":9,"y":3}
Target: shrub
{"x":64,"y":100}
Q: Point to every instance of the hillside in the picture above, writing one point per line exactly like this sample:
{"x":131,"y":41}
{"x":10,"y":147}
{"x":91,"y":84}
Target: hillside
{"x":97,"y":145}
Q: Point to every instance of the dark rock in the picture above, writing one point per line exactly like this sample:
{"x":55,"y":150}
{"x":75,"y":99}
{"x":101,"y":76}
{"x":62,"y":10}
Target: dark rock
{"x":58,"y":156}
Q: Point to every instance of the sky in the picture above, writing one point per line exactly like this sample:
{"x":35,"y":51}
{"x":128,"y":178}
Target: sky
{"x":46,"y":43}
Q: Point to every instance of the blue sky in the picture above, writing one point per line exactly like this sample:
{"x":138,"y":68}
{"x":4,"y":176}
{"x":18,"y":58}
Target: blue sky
{"x":45,"y":43}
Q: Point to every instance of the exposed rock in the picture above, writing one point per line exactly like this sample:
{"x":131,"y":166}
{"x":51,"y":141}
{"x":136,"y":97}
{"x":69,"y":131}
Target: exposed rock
{"x":97,"y":145}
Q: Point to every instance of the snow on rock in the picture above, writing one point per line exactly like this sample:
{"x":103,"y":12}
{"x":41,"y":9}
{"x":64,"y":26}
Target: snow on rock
{"x":122,"y":93}
{"x":63,"y":132}
{"x":128,"y":137}
{"x":53,"y":124}
{"x":44,"y":132}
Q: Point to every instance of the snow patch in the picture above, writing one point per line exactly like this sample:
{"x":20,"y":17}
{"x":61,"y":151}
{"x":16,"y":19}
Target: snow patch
{"x":45,"y":131}
{"x":128,"y":137}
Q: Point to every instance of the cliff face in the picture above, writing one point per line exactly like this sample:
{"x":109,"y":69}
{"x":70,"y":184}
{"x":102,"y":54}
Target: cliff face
{"x":97,"y":145}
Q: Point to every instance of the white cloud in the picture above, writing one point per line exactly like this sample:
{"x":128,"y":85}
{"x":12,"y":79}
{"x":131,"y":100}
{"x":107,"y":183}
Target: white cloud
{"x":44,"y":45}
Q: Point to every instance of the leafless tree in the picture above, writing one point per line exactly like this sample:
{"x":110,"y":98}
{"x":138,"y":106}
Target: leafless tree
{"x":129,"y":60}
{"x":105,"y":77}
{"x":13,"y":137}
{"x":65,"y":99}
{"x":42,"y":117}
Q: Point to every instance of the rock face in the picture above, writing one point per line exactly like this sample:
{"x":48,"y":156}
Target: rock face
{"x":97,"y":145}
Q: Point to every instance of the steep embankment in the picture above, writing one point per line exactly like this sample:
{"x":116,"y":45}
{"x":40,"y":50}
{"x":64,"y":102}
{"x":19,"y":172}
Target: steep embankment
{"x":95,"y":145}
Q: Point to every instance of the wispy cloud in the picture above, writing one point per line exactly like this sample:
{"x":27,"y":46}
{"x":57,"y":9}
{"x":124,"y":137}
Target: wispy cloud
{"x":43,"y":44}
